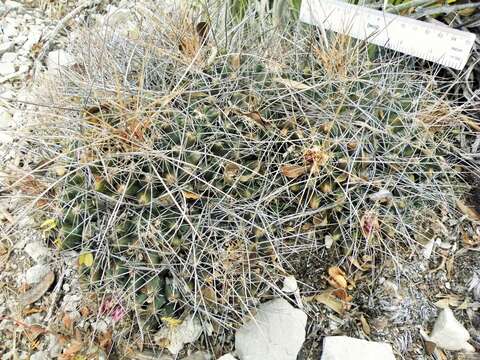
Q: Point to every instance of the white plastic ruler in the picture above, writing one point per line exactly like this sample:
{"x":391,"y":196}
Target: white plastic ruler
{"x":437,"y":43}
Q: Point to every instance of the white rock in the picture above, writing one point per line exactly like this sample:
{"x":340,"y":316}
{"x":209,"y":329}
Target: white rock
{"x":18,"y":118}
{"x":171,"y":5}
{"x":122,"y":20}
{"x":59,"y":58}
{"x":449,"y":334}
{"x":227,"y":357}
{"x":13,"y":5}
{"x":328,"y":241}
{"x":5,"y":119}
{"x":37,"y":251}
{"x":20,"y":39}
{"x":6,"y":47}
{"x":187,"y":332}
{"x":33,"y":38}
{"x":40,"y":355}
{"x":8,"y":94}
{"x":277,"y":332}
{"x":381,"y":195}
{"x":348,"y":348}
{"x":100,"y":326}
{"x":10,"y":31}
{"x":54,"y":347}
{"x":71,"y":302}
{"x":9,"y":57}
{"x":428,"y":249}
{"x":36,"y":273}
{"x":5,"y":138}
{"x":289,"y":284}
{"x":199,"y":355}
{"x":6,"y":68}
{"x":34,"y":318}
{"x":23,"y":68}
{"x":474,"y":286}
{"x":26,"y":95}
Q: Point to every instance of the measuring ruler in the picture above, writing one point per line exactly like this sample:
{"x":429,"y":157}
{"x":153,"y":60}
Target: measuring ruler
{"x":437,"y":43}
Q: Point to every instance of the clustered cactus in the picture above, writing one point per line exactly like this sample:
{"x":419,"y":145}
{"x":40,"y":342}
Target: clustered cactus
{"x":196,"y":167}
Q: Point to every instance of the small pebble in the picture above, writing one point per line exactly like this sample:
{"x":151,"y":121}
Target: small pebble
{"x":36,"y":273}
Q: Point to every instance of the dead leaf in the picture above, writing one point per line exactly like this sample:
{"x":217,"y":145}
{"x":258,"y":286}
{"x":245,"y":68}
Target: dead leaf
{"x":293,"y":171}
{"x":37,"y":292}
{"x":356,"y":263}
{"x":202,"y":30}
{"x":67,"y":322}
{"x":230,"y":171}
{"x":448,"y":301}
{"x":256,"y":117}
{"x":105,"y":341}
{"x":254,"y":168}
{"x":337,"y":278}
{"x":85,"y":311}
{"x":369,"y":225}
{"x":165,"y":100}
{"x":342,"y":295}
{"x":191,"y":195}
{"x":327,"y":127}
{"x":450,"y":266}
{"x":326,"y":298}
{"x":430,"y":347}
{"x":317,"y":157}
{"x":7,"y":215}
{"x":163,"y":343}
{"x":33,"y":310}
{"x":469,"y":212}
{"x":467,"y":240}
{"x":365,"y":326}
{"x":235,"y":61}
{"x":35,"y":331}
{"x":292,"y":84}
{"x":464,"y":305}
{"x":171,"y":322}
{"x":74,"y":347}
{"x":210,"y":295}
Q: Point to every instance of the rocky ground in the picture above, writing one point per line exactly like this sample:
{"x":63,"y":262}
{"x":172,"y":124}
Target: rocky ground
{"x":44,"y":313}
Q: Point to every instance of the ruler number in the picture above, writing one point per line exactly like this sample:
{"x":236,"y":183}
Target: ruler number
{"x":446,"y":46}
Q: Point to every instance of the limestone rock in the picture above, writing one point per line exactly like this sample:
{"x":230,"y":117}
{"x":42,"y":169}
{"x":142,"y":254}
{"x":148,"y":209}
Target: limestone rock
{"x":36,"y":273}
{"x":5,"y":119}
{"x":348,"y":348}
{"x":290,"y":285}
{"x":59,"y":58}
{"x":6,"y":47}
{"x":227,"y":357}
{"x":122,"y":20}
{"x":6,"y":68}
{"x":199,"y":355}
{"x":10,"y":4}
{"x":277,"y":332}
{"x":449,"y":334}
{"x":175,"y":338}
{"x":40,"y":355}
{"x":9,"y":57}
{"x":474,"y":286}
{"x":37,"y":251}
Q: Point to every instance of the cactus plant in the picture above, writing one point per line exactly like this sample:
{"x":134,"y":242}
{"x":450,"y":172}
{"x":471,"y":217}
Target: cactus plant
{"x":196,"y":169}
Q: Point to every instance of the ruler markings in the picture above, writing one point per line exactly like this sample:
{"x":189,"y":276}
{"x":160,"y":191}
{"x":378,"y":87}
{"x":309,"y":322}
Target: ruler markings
{"x":441,"y":44}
